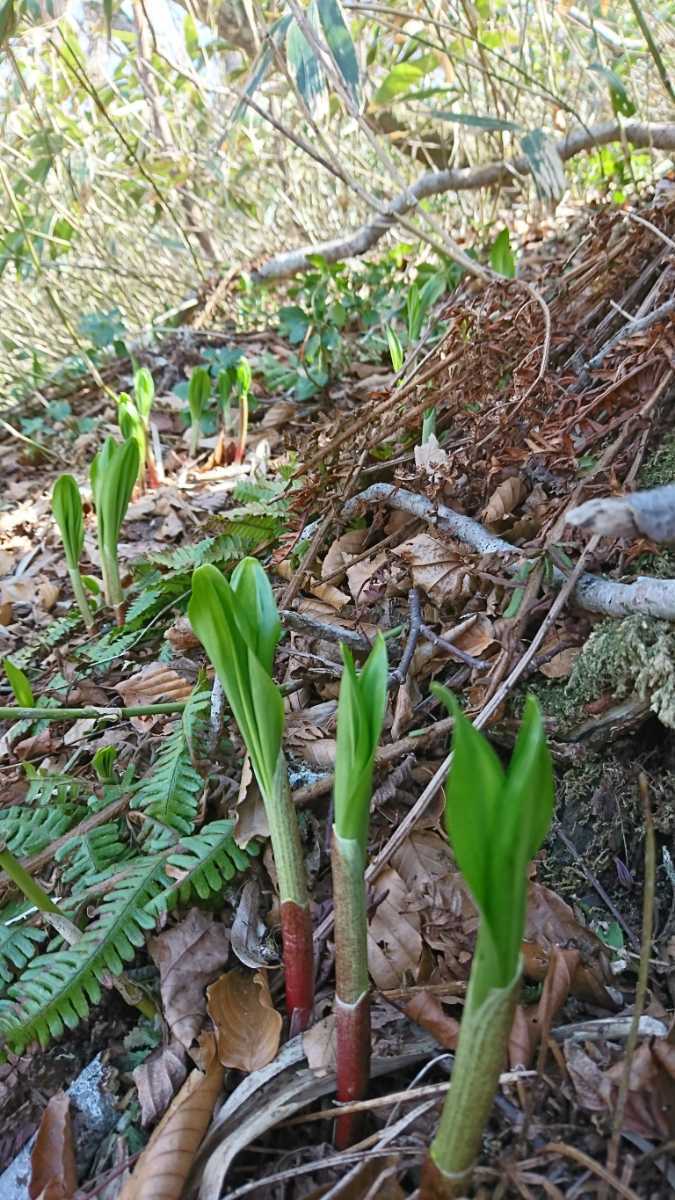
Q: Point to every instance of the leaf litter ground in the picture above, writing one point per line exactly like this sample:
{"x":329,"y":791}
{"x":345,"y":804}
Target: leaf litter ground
{"x":541,"y":400}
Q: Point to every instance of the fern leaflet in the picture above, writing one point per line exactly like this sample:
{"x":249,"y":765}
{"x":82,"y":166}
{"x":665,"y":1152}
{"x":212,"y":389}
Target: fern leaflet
{"x":201,"y":865}
{"x":57,"y":990}
{"x":170,"y":793}
{"x":27,"y":831}
{"x":17,"y":939}
{"x":93,"y":854}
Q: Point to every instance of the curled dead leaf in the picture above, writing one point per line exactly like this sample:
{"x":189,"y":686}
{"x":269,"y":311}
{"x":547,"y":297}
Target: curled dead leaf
{"x":189,"y":956}
{"x":394,"y":939}
{"x":154,"y":683}
{"x":53,"y":1169}
{"x":248,"y":1027}
{"x":163,"y":1168}
{"x":437,"y":567}
{"x":503,"y":502}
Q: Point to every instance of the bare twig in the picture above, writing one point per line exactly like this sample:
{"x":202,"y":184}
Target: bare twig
{"x":399,"y":673}
{"x":444,"y":643}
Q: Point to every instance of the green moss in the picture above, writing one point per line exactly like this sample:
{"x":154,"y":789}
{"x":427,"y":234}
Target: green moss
{"x":661,"y":565}
{"x":660,"y":467}
{"x":633,"y":656}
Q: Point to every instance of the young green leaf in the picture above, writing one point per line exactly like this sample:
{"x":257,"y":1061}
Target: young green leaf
{"x":361,"y":706}
{"x":395,"y":348}
{"x":132,"y":425}
{"x":501,"y":255}
{"x":67,"y":510}
{"x":238,"y":626}
{"x":113,"y":475}
{"x":199,"y":392}
{"x":339,"y":42}
{"x":19,"y":683}
{"x":144,"y":393}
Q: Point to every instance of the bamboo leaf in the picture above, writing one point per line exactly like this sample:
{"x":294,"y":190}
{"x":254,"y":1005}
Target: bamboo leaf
{"x":304,"y":64}
{"x":340,"y":44}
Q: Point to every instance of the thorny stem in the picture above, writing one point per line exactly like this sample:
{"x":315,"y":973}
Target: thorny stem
{"x":80,"y":596}
{"x":352,"y":1003}
{"x":296,"y":924}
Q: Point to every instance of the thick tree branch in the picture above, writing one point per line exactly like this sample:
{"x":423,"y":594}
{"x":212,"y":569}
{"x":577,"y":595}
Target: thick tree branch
{"x":433,"y":183}
{"x":651,"y":597}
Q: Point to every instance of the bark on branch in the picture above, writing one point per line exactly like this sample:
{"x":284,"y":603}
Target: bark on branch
{"x":433,"y":183}
{"x":651,"y":597}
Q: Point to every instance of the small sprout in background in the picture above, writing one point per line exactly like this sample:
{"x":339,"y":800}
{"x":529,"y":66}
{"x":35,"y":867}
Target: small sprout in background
{"x":67,"y":510}
{"x":103,"y":763}
{"x":429,"y":424}
{"x":144,"y":395}
{"x":19,"y":683}
{"x":131,"y":425}
{"x":501,"y":255}
{"x":239,"y":628}
{"x":199,"y":393}
{"x":361,"y":707}
{"x":395,"y":348}
{"x":244,"y":379}
{"x":496,"y":822}
{"x":113,"y":475}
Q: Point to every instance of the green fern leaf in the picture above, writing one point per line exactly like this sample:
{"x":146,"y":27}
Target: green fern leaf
{"x":93,"y":855}
{"x":170,"y":793}
{"x":185,"y":558}
{"x":202,"y":865}
{"x":141,"y":605}
{"x":57,"y":990}
{"x":27,"y":831}
{"x":18,"y":940}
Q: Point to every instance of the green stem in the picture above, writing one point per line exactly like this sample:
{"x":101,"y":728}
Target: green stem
{"x":80,"y":596}
{"x":428,"y":424}
{"x":25,"y":882}
{"x":85,"y":714}
{"x":352,"y":1002}
{"x":243,"y":427}
{"x":111,"y":582}
{"x":478,"y":1064}
{"x":296,"y":924}
{"x":195,"y":436}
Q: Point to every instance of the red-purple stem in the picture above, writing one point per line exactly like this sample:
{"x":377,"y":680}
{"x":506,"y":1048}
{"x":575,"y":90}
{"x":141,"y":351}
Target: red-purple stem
{"x":298,"y":952}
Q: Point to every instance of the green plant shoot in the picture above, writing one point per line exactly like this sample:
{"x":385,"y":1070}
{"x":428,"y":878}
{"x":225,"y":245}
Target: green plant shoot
{"x":496,"y":822}
{"x":132,"y":426}
{"x":144,"y":393}
{"x":113,"y":475}
{"x":361,"y":707}
{"x":244,"y":379}
{"x":19,"y":683}
{"x":395,"y":348}
{"x":67,"y":510}
{"x":199,"y":392}
{"x":238,"y":626}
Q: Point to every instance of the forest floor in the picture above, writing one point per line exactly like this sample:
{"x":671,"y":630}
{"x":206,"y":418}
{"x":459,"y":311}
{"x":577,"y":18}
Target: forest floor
{"x":546,"y":393}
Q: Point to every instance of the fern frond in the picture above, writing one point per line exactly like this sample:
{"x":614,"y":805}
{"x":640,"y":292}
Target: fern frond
{"x":93,"y":854}
{"x":52,"y":790}
{"x":111,"y":645}
{"x":57,"y":990}
{"x":265,"y":491}
{"x":202,"y":865}
{"x":185,"y":558}
{"x":148,"y":599}
{"x":28,"y":830}
{"x":170,"y":792}
{"x":18,"y":940}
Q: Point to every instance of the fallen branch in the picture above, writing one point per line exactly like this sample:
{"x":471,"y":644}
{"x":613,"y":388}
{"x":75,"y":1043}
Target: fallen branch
{"x":433,"y":183}
{"x":649,"y":596}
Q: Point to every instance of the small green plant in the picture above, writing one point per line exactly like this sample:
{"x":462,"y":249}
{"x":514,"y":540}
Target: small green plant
{"x":395,"y":348}
{"x":244,"y":379}
{"x":496,"y":822}
{"x":113,"y":475}
{"x":361,"y":706}
{"x":199,"y":393}
{"x":133,"y":418}
{"x":67,"y":510}
{"x":19,"y":683}
{"x":238,"y":626}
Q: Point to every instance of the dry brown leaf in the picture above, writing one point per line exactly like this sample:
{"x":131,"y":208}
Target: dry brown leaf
{"x":503,"y":502}
{"x":342,"y":551}
{"x":437,"y":567}
{"x":180,"y":636}
{"x":394,"y":939}
{"x":562,"y":968}
{"x":189,"y":956}
{"x":560,"y":666}
{"x":8,"y":560}
{"x":53,"y":1170}
{"x":362,"y":573}
{"x":277,"y":414}
{"x":650,"y":1103}
{"x":320,"y":752}
{"x":251,"y":816}
{"x":330,"y":595}
{"x":426,"y":1010}
{"x":39,"y":745}
{"x":154,"y":683}
{"x":158,"y":1078}
{"x":587,"y":1077}
{"x":320,"y":1045}
{"x":248,"y":1027}
{"x":162,"y":1170}
{"x":372,"y":1179}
